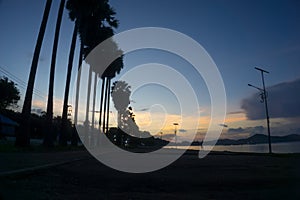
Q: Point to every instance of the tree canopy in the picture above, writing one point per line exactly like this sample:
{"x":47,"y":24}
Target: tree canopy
{"x":9,"y":95}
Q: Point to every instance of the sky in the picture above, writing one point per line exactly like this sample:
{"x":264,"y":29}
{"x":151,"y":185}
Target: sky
{"x":238,"y":35}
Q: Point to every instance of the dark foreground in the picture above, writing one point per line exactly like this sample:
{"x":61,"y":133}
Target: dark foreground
{"x":218,"y":176}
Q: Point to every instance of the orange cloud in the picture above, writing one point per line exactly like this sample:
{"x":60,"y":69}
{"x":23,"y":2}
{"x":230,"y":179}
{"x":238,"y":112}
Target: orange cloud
{"x":38,"y":104}
{"x":237,"y":117}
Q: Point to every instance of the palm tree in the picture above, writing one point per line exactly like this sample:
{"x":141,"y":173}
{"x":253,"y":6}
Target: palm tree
{"x":82,"y":12}
{"x":95,"y":37}
{"x":120,"y":95}
{"x":78,"y":83}
{"x":78,"y":12}
{"x":74,"y":138}
{"x":48,"y":140}
{"x":23,"y":138}
{"x":94,"y":99}
{"x":95,"y":33}
{"x":121,"y":98}
{"x":113,"y":69}
{"x":87,"y":122}
{"x":106,"y":76}
{"x":63,"y":136}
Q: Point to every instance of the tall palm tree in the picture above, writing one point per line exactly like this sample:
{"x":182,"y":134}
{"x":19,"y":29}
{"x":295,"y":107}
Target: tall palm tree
{"x":87,"y":122}
{"x":78,"y":12}
{"x":78,"y":83}
{"x":23,"y":136}
{"x":96,"y":32}
{"x":113,"y":69}
{"x":81,"y":12}
{"x":74,"y":137}
{"x":49,"y":138}
{"x":120,"y":96}
{"x":63,"y":133}
{"x":94,"y":99}
{"x":106,"y":76}
{"x":94,"y":36}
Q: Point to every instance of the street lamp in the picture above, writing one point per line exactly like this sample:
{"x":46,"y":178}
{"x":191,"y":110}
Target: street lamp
{"x":161,"y":133}
{"x":175,"y":133}
{"x":264,"y":99}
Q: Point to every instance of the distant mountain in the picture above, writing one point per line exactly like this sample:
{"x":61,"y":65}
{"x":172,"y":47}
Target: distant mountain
{"x":258,"y":139}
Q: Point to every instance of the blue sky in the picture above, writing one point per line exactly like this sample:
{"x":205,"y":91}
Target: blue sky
{"x":238,"y":35}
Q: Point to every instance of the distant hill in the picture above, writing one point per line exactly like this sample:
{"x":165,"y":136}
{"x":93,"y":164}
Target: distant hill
{"x":258,"y":139}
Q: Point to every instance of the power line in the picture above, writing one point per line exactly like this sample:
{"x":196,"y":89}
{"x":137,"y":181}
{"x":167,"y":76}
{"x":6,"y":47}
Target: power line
{"x":22,"y":84}
{"x":11,"y":78}
{"x":3,"y":69}
{"x":20,"y":80}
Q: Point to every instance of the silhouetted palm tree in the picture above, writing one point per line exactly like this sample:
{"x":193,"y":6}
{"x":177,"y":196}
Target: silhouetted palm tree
{"x":97,"y":33}
{"x":78,"y":10}
{"x":82,"y":12}
{"x":121,"y":98}
{"x":63,"y":136}
{"x":106,"y":76}
{"x":113,"y":69}
{"x":120,"y":95}
{"x":23,"y":136}
{"x":74,"y":137}
{"x":49,"y":137}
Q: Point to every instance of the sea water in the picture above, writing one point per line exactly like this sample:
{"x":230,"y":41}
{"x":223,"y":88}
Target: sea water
{"x":284,"y":147}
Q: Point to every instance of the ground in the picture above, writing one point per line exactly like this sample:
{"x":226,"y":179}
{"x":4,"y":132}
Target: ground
{"x":217,"y":176}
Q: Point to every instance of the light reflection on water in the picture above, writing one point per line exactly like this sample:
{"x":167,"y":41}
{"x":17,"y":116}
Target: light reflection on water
{"x":284,"y":147}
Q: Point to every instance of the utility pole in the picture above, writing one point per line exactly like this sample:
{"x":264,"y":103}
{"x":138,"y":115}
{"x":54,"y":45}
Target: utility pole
{"x":175,"y":133}
{"x":264,"y":99}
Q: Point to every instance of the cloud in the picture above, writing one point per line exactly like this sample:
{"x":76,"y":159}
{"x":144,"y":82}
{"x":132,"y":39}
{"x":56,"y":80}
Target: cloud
{"x":224,"y":125}
{"x":42,"y":104}
{"x":241,"y":132}
{"x":144,"y":109}
{"x":249,"y":130}
{"x":236,"y":133}
{"x":168,"y":136}
{"x":38,"y":104}
{"x":283,"y":102}
{"x":236,"y":112}
{"x":42,"y":58}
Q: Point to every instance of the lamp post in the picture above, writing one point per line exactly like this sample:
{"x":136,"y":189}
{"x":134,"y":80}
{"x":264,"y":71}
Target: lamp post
{"x":264,"y":99}
{"x":161,"y":133}
{"x":175,"y":133}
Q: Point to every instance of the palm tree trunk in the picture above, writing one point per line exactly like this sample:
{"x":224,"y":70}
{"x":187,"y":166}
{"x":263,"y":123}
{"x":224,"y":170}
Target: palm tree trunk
{"x":23,"y":135}
{"x":108,"y":100}
{"x":63,"y":133}
{"x":105,"y":102}
{"x":101,"y":103}
{"x":93,"y":136}
{"x":78,"y":84}
{"x":94,"y":100}
{"x":87,"y":110}
{"x":74,"y":137}
{"x":48,"y":139}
